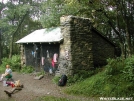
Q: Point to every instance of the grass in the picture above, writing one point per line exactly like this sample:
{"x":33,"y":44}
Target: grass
{"x":87,"y":86}
{"x":114,"y":81}
{"x":52,"y":98}
{"x":99,"y":85}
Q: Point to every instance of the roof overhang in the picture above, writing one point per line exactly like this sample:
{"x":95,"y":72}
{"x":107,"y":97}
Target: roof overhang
{"x":47,"y":35}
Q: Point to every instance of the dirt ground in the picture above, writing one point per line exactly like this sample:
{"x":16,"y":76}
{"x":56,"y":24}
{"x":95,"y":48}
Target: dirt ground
{"x":36,"y":88}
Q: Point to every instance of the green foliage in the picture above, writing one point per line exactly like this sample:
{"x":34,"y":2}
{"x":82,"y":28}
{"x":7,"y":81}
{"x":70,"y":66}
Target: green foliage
{"x":41,"y":73}
{"x":54,"y":9}
{"x":17,"y":20}
{"x":56,"y":79}
{"x":114,"y":66}
{"x":27,"y":69}
{"x":2,"y":70}
{"x":80,"y":76}
{"x":129,"y":69}
{"x":14,"y":63}
{"x":87,"y":86}
{"x":115,"y":80}
{"x":51,"y":98}
{"x":51,"y":15}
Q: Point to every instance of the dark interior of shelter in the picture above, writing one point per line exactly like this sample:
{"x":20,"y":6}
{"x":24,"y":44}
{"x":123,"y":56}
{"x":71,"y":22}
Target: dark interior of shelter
{"x":42,"y":56}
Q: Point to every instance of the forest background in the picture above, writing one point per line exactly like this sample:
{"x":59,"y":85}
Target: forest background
{"x":114,"y":18}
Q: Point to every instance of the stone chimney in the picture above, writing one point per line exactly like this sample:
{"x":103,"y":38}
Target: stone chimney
{"x":76,"y":49}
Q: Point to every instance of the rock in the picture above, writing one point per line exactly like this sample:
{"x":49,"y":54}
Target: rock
{"x":39,"y":77}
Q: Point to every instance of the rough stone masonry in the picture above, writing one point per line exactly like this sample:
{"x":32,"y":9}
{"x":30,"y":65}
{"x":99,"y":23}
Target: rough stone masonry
{"x":83,"y":47}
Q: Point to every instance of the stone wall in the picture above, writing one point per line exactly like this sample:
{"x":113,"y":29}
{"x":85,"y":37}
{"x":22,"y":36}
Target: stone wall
{"x":102,"y":49}
{"x":76,"y":49}
{"x":82,"y":48}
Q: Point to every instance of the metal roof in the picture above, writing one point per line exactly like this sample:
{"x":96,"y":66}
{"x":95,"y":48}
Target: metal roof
{"x":43,"y":35}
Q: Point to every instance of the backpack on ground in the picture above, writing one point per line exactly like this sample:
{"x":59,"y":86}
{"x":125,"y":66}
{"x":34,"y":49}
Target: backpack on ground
{"x":62,"y":81}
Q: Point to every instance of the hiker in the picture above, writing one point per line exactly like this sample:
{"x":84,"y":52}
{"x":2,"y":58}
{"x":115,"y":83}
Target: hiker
{"x":15,"y":86}
{"x":7,"y":74}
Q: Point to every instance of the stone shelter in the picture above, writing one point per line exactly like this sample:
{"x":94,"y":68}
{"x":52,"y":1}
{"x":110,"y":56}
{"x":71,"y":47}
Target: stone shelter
{"x":77,"y":45}
{"x":40,"y":47}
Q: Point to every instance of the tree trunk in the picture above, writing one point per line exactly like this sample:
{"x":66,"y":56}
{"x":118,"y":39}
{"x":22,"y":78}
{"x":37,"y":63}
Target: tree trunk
{"x":11,"y":46}
{"x":13,"y":35}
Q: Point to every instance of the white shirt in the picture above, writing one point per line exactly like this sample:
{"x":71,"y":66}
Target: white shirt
{"x":9,"y":71}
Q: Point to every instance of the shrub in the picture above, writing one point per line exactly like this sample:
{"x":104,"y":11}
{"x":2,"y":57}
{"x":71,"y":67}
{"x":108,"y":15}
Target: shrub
{"x":14,"y":63}
{"x":128,"y":69}
{"x":114,"y":66}
{"x":42,"y":72}
{"x":56,"y":79}
{"x":27,"y":69}
{"x":117,"y":79}
{"x":80,"y":76}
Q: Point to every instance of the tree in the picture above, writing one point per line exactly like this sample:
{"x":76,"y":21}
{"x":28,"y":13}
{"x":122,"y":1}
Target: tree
{"x":119,"y":19}
{"x":1,"y":8}
{"x":15,"y":15}
{"x":17,"y":18}
{"x":112,"y":17}
{"x":52,"y":10}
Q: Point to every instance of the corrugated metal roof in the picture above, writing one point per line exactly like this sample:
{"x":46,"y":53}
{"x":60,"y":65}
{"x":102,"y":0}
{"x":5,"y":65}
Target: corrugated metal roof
{"x":43,"y":35}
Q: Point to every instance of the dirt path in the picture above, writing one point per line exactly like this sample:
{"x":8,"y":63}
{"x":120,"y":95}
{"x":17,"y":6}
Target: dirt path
{"x":35,"y":88}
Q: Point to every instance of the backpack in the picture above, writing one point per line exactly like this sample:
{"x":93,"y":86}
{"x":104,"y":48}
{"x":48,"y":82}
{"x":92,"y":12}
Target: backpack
{"x":62,"y":81}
